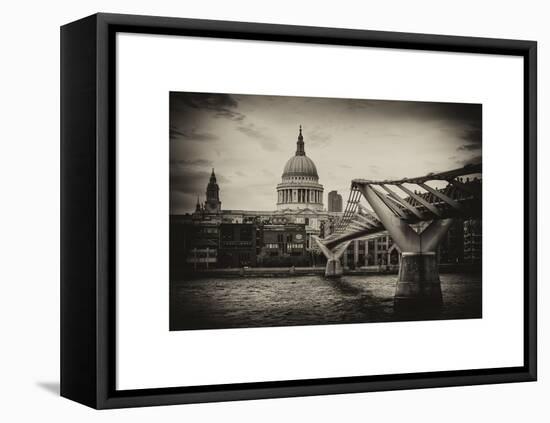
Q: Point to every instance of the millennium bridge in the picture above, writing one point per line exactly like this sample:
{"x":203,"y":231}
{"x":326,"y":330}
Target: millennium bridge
{"x":416,"y":215}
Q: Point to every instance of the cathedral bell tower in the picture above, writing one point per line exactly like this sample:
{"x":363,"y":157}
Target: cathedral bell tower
{"x":213,"y":203}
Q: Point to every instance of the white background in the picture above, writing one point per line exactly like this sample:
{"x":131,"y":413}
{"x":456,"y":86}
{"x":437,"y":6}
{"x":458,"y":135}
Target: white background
{"x":29,"y":170}
{"x":263,"y":354}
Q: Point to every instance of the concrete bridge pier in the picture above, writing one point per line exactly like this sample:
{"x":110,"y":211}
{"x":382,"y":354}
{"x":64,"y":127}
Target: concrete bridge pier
{"x":418,"y":282}
{"x":333,"y":268}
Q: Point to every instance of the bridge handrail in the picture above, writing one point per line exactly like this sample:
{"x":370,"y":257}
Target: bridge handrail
{"x":456,"y":190}
{"x":469,"y":169}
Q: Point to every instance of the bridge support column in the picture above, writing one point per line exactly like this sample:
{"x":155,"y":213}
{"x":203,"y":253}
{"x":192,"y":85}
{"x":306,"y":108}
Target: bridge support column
{"x":418,"y":282}
{"x":334,"y":268}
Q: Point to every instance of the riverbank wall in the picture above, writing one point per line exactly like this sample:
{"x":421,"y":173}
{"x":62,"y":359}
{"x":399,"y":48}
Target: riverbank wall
{"x":311,"y":271}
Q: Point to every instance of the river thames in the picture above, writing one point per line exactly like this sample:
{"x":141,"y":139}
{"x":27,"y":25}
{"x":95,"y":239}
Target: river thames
{"x":241,"y":302}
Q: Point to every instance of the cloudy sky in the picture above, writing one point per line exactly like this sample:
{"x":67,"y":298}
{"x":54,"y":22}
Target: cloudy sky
{"x":248,"y":139}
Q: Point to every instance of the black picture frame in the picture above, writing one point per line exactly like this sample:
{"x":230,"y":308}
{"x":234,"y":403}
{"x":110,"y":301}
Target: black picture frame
{"x":88,"y":199}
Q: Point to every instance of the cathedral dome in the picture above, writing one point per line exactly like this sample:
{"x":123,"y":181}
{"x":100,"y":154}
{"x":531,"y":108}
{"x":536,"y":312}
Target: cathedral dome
{"x":300,"y":188}
{"x":300,"y":164}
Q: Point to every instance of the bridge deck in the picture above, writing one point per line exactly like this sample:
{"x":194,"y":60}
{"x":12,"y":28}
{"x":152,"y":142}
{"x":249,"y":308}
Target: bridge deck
{"x":459,"y":198}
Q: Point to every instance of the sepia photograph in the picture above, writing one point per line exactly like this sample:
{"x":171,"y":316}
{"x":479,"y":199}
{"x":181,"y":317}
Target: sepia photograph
{"x":252,"y":211}
{"x":293,"y":211}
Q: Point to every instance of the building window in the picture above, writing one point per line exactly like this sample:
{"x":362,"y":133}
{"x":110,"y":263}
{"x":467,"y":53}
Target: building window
{"x":227,"y":234}
{"x":293,"y":246}
{"x":246,"y":234}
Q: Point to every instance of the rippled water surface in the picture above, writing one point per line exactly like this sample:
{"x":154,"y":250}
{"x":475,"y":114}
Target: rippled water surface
{"x":217,"y":303}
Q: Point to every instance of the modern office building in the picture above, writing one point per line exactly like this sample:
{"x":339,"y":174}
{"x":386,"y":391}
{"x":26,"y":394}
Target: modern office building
{"x":334,"y":202}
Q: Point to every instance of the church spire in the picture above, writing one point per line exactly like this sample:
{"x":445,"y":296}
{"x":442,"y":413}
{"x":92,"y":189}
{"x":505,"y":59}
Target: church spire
{"x":213,"y":177}
{"x":198,"y":206}
{"x":300,"y":151}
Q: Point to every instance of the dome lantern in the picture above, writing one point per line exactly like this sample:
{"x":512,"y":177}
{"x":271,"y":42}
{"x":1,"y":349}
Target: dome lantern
{"x":300,"y":150}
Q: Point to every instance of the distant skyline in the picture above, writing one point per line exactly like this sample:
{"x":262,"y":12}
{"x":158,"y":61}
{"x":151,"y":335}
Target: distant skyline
{"x":248,"y":139}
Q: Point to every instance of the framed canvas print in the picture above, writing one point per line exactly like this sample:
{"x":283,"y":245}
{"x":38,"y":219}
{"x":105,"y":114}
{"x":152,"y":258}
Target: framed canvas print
{"x":256,"y":211}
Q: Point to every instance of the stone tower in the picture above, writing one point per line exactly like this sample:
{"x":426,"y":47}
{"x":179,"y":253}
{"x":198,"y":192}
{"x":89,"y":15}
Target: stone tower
{"x":213,"y":203}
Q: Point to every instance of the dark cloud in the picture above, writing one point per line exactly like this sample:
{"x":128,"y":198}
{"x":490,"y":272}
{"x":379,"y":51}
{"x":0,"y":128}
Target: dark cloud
{"x":472,"y":133}
{"x":212,"y":101}
{"x":181,"y":202}
{"x":263,"y":138}
{"x":416,"y":109}
{"x":190,"y":180}
{"x":222,"y":105}
{"x":471,"y":160}
{"x":469,"y":147}
{"x":463,"y":112}
{"x":463,"y":120}
{"x":191,"y":135}
{"x":229,"y":114}
{"x":195,"y":162}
